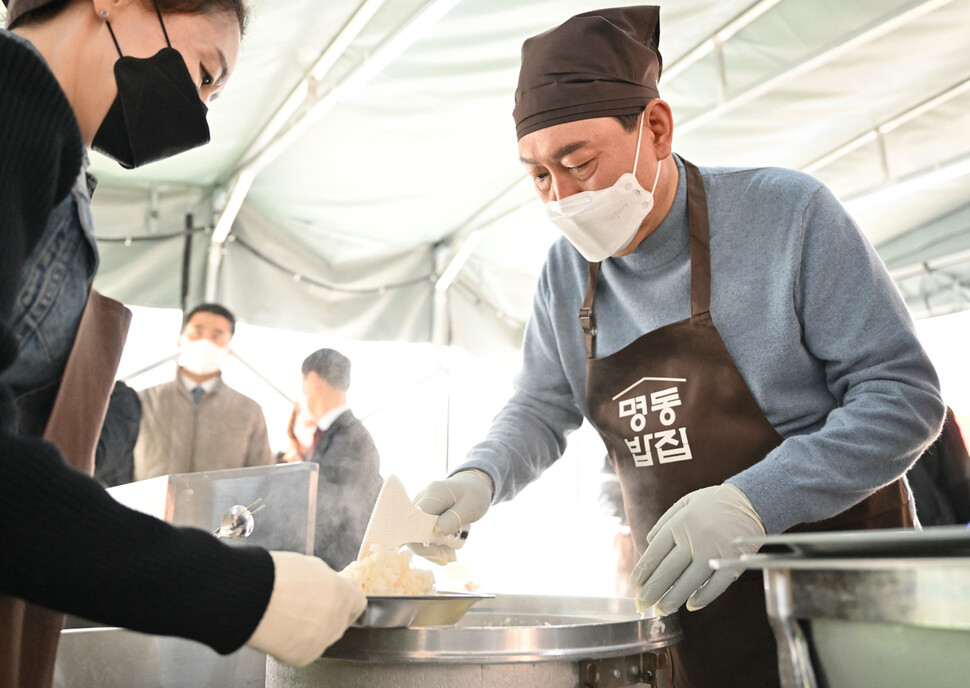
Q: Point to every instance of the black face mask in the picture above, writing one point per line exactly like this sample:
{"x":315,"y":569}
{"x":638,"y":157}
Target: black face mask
{"x":157,"y":112}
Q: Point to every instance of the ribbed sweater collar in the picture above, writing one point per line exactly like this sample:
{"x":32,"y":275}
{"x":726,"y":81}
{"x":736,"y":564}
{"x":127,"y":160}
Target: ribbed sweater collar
{"x":668,"y":241}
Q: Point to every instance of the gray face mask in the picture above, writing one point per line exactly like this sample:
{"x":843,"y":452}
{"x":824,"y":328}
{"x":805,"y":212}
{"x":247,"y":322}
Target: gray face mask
{"x":157,"y":112}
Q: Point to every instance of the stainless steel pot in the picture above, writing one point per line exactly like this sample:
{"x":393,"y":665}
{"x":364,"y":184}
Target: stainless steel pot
{"x":512,"y":640}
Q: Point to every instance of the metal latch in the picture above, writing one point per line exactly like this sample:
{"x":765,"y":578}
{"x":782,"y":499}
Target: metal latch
{"x":586,"y":320}
{"x":648,"y":670}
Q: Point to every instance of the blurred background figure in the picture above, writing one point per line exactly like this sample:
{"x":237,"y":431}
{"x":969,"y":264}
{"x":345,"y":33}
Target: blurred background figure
{"x":623,"y":551}
{"x":114,"y":457}
{"x":940,"y":478}
{"x":349,"y":478}
{"x":196,"y":422}
{"x":300,"y":431}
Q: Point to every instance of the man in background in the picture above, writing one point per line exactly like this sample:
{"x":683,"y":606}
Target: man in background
{"x":196,"y":422}
{"x":349,"y":478}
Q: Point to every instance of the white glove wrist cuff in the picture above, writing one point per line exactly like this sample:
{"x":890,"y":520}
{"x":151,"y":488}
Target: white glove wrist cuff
{"x":746,"y":504}
{"x":310,"y":607}
{"x":276,"y":629}
{"x":484,"y":477}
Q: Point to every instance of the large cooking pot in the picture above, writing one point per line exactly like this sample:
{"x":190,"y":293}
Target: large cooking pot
{"x":511,"y":640}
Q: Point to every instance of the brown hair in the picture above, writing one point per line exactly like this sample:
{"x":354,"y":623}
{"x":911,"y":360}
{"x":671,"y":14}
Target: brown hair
{"x":238,"y":8}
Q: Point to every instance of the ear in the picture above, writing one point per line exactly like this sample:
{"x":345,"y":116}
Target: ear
{"x":659,"y":120}
{"x":107,"y":9}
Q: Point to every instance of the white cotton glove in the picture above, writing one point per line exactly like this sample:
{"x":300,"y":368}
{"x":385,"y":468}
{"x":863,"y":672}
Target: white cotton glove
{"x":310,"y":608}
{"x":701,"y":526}
{"x":458,"y":501}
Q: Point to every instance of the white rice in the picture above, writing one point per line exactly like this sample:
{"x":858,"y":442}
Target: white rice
{"x":386,"y":571}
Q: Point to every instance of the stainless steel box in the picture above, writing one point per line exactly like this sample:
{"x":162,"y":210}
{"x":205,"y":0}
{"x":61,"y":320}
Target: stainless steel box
{"x":94,"y":656}
{"x":288,"y":491}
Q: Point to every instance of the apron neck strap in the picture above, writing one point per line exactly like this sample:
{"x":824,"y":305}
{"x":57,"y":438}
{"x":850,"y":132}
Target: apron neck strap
{"x":700,"y":242}
{"x":700,"y":260}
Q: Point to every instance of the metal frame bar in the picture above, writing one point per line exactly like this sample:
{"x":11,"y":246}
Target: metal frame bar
{"x":872,"y":32}
{"x":257,"y":159}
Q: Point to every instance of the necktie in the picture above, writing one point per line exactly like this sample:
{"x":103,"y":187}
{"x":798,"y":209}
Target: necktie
{"x":317,"y":435}
{"x":197,"y":393}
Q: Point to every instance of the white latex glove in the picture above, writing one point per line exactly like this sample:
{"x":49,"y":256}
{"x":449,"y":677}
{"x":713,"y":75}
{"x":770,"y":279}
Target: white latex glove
{"x":310,"y":608}
{"x":701,"y":526}
{"x":458,"y":501}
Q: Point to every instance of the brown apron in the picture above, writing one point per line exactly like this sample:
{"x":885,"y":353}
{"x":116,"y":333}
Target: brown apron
{"x":676,"y":416}
{"x":28,"y":633}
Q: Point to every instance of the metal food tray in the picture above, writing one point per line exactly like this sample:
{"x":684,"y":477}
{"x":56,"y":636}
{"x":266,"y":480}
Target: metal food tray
{"x":934,"y":541}
{"x":857,"y":622}
{"x":398,"y":611}
{"x":518,"y":628}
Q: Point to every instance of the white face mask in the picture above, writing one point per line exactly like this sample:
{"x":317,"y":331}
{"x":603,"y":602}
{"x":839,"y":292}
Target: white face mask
{"x":601,"y":223}
{"x":201,"y":356}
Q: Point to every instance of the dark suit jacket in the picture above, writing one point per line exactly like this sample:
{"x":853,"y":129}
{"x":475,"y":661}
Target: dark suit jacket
{"x":114,"y":460}
{"x":940,"y":479}
{"x":347,"y":488}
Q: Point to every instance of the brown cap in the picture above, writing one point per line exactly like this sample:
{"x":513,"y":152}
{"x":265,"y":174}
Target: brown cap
{"x":18,"y":8}
{"x":597,"y":64}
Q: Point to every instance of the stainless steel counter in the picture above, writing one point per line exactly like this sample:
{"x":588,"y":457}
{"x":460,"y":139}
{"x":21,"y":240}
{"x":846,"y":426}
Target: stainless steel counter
{"x":892,"y":623}
{"x":870,"y":608}
{"x":103,"y":657}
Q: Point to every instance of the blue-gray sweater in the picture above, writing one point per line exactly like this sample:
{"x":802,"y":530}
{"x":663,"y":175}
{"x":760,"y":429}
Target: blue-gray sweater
{"x":807,"y":311}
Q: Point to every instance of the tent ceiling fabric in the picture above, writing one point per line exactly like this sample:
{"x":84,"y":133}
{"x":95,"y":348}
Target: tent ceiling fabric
{"x":346,"y":230}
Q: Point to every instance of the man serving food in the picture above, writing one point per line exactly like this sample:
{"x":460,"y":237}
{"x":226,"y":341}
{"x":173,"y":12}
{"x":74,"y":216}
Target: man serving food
{"x":730,"y":333}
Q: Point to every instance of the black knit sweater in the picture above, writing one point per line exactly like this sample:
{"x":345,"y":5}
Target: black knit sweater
{"x":64,"y":542}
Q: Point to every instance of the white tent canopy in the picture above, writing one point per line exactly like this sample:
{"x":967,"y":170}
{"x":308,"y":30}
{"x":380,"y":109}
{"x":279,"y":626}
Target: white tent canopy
{"x":363,"y":145}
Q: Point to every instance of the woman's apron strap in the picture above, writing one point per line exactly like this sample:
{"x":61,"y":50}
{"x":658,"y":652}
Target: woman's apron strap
{"x":28,"y":633}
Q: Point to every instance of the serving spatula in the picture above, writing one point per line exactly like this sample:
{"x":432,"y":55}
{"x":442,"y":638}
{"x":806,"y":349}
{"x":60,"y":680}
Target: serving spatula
{"x":396,"y":521}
